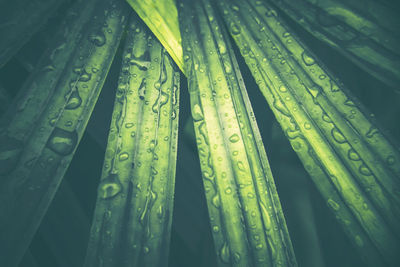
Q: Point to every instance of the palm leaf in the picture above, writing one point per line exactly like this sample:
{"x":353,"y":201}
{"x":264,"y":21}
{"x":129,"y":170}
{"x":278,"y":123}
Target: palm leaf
{"x":246,"y":217}
{"x":356,"y":29}
{"x":40,"y":133}
{"x":132,"y":222}
{"x":352,"y":163}
{"x":326,"y":127}
{"x":162,"y":19}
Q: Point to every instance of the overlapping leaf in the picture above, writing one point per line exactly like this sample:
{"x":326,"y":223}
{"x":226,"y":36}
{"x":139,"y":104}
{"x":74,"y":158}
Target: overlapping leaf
{"x":365,"y":31}
{"x":352,"y":163}
{"x":40,"y":132}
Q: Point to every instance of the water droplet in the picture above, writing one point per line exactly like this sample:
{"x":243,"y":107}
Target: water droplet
{"x":98,"y":38}
{"x":333,"y":205}
{"x":228,"y":190}
{"x":62,"y":142}
{"x":236,"y":257}
{"x":326,"y":118}
{"x":307,"y":126}
{"x":296,"y":146}
{"x":338,"y":136}
{"x":215,"y":229}
{"x":142,"y":89}
{"x":271,"y":13}
{"x":74,"y":100}
{"x":371,"y":132}
{"x":353,"y":155}
{"x":364,"y":170}
{"x":234,"y":138}
{"x":128,"y":125}
{"x":334,"y":87}
{"x":225,"y":253}
{"x":197,"y":113}
{"x":216,"y":201}
{"x":123,"y":156}
{"x":240,"y":166}
{"x":110,"y":186}
{"x":308,"y":60}
{"x":283,"y":89}
{"x":83,"y":75}
{"x":235,"y":28}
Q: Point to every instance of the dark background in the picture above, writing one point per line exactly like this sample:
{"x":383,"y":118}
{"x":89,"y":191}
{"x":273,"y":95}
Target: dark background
{"x":62,"y":237}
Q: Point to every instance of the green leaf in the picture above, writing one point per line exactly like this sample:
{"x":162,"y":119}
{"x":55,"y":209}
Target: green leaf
{"x":162,"y":19}
{"x":245,"y":213}
{"x":365,"y":31}
{"x":132,"y":221}
{"x":349,"y":159}
{"x":40,"y":132}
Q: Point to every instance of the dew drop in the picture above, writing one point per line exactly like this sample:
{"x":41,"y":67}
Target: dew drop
{"x":283,"y":88}
{"x":197,"y":113}
{"x":62,"y":142}
{"x":225,"y":253}
{"x":307,"y":59}
{"x":371,"y":132}
{"x":98,"y":39}
{"x":334,"y":87}
{"x":142,"y":89}
{"x":216,"y":201}
{"x":110,"y":187}
{"x":353,"y":155}
{"x":123,"y":156}
{"x":235,"y":28}
{"x":234,"y":138}
{"x":364,"y":170}
{"x":74,"y":100}
{"x":240,"y":166}
{"x":338,"y":136}
{"x":333,"y":205}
